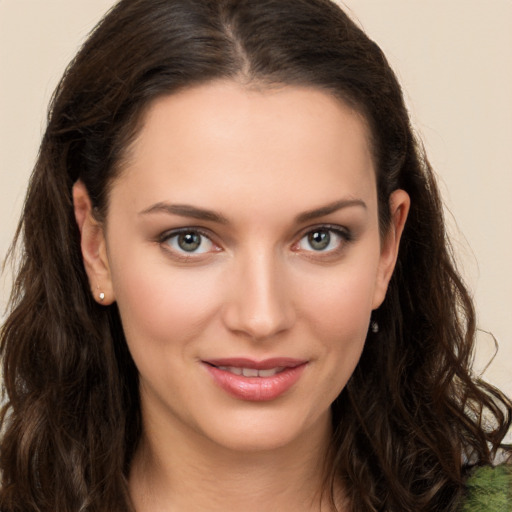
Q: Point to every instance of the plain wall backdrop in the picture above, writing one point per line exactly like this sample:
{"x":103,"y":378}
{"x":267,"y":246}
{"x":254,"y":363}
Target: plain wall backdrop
{"x":454,"y":60}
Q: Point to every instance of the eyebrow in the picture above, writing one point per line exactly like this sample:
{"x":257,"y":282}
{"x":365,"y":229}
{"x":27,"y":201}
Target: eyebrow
{"x":185,"y":210}
{"x":328,"y":209}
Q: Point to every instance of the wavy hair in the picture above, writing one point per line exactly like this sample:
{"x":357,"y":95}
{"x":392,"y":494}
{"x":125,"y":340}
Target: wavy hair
{"x":412,"y":418}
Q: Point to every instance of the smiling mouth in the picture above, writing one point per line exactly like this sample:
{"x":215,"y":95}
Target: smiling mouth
{"x":258,"y":381}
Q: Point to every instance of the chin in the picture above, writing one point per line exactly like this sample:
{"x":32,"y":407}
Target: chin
{"x":269,"y":433}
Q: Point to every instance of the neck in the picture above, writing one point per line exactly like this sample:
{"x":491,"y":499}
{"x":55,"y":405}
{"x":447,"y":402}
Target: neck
{"x":190,"y":473}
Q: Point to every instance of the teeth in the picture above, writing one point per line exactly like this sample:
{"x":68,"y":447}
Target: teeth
{"x":251,"y":372}
{"x":269,"y":373}
{"x":231,"y":369}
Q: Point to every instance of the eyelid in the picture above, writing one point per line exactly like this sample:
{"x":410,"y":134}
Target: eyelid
{"x":186,"y":229}
{"x":336,"y":228}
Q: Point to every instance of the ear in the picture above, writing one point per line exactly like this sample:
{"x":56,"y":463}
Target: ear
{"x":399,"y":203}
{"x":93,"y":245}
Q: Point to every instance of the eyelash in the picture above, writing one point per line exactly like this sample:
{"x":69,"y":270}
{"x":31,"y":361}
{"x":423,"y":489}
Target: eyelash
{"x":344,"y":236}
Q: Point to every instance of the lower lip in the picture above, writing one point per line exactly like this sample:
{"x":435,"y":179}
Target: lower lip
{"x":256,"y":389}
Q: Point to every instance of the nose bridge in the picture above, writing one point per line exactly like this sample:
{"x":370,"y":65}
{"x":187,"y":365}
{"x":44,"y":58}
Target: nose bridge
{"x":259,"y":304}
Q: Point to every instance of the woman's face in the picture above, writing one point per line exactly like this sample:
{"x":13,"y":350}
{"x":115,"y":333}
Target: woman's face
{"x":242,"y":248}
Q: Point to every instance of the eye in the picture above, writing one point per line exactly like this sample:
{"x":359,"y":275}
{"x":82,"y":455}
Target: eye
{"x":323,"y":239}
{"x":188,"y":241}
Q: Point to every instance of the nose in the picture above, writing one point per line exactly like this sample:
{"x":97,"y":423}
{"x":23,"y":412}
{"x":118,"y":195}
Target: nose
{"x":260,"y":303}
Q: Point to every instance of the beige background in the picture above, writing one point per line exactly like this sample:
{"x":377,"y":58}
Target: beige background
{"x":454,"y":59}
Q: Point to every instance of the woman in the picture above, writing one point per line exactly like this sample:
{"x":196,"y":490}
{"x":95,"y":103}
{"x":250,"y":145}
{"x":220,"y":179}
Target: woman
{"x":227,"y":298}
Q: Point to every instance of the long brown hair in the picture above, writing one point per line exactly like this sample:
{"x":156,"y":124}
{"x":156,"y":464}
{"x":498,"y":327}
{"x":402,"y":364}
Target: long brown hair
{"x":411,"y":420}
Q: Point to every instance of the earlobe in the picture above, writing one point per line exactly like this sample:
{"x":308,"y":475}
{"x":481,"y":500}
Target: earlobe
{"x":399,"y":204}
{"x":93,"y":245}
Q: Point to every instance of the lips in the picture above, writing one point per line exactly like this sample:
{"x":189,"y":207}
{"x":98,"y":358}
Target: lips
{"x":257,"y":381}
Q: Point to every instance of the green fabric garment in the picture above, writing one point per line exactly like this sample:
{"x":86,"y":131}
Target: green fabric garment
{"x":489,"y":489}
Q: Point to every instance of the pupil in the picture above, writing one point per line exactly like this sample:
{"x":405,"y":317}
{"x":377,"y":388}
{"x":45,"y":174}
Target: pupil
{"x":189,"y":241}
{"x":319,"y":240}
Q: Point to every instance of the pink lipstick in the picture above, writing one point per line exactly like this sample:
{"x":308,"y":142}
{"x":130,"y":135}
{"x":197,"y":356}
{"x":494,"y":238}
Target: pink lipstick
{"x":255,"y":381}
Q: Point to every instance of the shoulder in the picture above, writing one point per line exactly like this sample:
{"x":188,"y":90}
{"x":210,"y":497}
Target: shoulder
{"x":489,"y":489}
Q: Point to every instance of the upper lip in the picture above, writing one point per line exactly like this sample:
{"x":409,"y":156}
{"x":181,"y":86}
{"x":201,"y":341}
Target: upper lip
{"x":265,"y":364}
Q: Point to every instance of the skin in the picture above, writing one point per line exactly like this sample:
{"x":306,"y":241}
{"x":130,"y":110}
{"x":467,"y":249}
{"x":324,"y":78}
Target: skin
{"x":256,"y":287}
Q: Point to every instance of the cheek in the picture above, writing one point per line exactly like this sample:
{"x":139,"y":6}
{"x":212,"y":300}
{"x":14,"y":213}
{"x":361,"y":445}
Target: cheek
{"x":336,"y":307}
{"x":157,"y":301}
{"x":340,"y":302}
{"x":341,"y":318}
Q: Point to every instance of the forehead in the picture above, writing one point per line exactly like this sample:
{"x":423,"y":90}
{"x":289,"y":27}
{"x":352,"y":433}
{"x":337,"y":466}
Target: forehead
{"x":223,"y":137}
